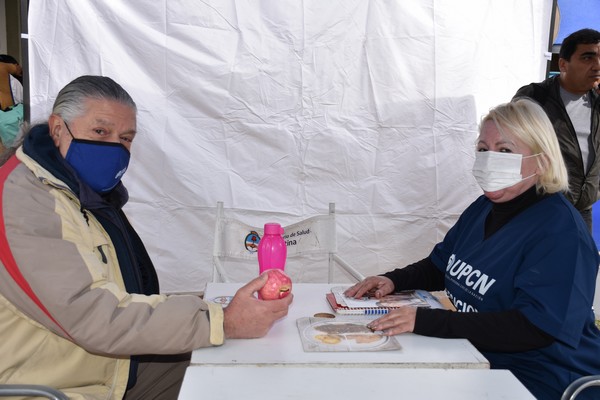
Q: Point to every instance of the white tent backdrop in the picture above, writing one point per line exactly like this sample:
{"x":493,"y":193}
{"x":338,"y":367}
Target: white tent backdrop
{"x":284,"y":106}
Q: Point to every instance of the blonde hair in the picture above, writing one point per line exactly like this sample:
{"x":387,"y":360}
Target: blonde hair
{"x":527,"y":120}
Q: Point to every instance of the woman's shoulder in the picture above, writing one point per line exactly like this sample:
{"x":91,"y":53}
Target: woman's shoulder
{"x":478,"y":205}
{"x":557,"y":215}
{"x":558,"y":203}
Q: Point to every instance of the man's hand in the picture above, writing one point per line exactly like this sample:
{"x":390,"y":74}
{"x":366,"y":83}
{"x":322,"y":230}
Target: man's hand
{"x":248,"y":317}
{"x":377,"y":286}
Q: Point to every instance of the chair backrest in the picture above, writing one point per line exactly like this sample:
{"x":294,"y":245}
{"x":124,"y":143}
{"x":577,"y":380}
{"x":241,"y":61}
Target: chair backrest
{"x":31,"y":391}
{"x":236,"y":244}
{"x":577,"y":386}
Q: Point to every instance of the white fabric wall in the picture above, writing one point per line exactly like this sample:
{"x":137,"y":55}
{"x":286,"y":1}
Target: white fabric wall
{"x":285,"y":106}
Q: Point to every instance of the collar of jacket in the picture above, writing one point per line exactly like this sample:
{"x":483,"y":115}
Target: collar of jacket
{"x":554,"y":81}
{"x":39,"y":146}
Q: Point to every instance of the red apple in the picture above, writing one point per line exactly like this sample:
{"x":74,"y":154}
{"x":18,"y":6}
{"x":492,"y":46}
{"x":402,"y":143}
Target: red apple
{"x":278,"y":285}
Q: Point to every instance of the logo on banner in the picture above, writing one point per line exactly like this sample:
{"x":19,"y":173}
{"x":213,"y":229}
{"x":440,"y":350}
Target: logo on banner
{"x":251,"y":241}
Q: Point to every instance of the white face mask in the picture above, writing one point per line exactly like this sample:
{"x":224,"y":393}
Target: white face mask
{"x":494,"y":170}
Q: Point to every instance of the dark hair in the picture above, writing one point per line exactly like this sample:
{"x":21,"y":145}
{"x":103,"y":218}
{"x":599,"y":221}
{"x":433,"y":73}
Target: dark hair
{"x":70,"y":102}
{"x":582,"y":36}
{"x":5,"y":58}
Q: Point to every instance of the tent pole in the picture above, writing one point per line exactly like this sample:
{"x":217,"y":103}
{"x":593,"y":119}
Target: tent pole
{"x":24,"y":11}
{"x":551,"y":35}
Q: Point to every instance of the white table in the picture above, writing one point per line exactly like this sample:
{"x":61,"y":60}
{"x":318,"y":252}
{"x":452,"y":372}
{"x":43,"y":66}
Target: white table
{"x":282,"y":346}
{"x":274,"y":383}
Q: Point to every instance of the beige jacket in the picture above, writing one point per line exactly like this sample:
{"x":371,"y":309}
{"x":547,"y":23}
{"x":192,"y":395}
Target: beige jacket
{"x":83,"y":343}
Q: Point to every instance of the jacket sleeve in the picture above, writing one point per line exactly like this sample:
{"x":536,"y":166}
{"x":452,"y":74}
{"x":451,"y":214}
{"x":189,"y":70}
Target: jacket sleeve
{"x":420,"y":275}
{"x":502,"y":331}
{"x":59,"y":254}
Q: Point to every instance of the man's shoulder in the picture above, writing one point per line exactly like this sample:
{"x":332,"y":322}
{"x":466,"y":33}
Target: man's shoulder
{"x":537,"y":90}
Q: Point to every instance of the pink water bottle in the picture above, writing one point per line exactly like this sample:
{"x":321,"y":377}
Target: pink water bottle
{"x":272,"y":251}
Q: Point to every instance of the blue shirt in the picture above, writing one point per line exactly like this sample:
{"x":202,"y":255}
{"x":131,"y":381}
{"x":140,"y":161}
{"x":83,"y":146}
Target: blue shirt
{"x":544,"y":263}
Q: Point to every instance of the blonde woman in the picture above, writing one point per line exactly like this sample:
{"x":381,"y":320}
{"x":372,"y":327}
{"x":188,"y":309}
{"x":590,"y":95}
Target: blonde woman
{"x":519,"y":265}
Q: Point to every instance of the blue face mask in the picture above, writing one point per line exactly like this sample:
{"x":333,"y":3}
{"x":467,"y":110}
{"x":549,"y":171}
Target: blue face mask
{"x":99,"y":164}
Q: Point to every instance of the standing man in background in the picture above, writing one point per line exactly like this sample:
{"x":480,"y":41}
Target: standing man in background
{"x":11,"y":100}
{"x":11,"y":81}
{"x":571,"y":101}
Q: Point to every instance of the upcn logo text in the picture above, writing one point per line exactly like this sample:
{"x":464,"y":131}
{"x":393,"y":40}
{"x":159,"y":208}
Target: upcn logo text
{"x":467,"y":275}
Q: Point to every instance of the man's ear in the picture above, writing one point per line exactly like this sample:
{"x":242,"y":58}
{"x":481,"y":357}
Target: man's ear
{"x":562,"y":64}
{"x":55,"y":125}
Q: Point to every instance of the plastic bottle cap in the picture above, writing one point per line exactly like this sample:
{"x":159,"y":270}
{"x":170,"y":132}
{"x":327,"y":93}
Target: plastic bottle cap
{"x":272,"y":228}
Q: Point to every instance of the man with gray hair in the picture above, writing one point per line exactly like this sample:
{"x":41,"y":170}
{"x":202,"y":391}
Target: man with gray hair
{"x":80,"y":306}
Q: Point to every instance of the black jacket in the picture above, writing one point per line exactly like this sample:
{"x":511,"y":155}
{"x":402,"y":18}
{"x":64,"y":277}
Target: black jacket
{"x":583,"y":188}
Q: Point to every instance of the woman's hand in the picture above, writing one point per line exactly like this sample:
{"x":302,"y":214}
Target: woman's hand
{"x":396,"y":321}
{"x":377,"y":286}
